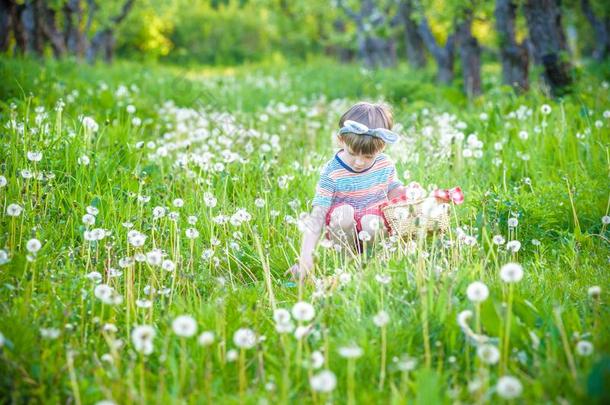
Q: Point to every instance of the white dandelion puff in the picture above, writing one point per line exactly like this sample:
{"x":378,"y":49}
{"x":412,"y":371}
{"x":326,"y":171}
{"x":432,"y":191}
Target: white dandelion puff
{"x":513,"y":246}
{"x":13,"y":210}
{"x":184,"y":326}
{"x":489,"y":354}
{"x":244,"y":338}
{"x":477,"y":292}
{"x":142,"y":338}
{"x":206,"y":338}
{"x":584,"y":348}
{"x":381,"y":319}
{"x":498,"y":240}
{"x":594,"y":291}
{"x":33,"y":245}
{"x":34,"y":156}
{"x":511,"y":273}
{"x":509,"y":387}
{"x":324,"y":381}
{"x":303,"y":311}
{"x":350,"y":352}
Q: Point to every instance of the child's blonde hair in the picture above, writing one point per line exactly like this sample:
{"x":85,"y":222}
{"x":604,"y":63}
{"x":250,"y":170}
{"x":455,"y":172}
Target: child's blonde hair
{"x":373,"y":116}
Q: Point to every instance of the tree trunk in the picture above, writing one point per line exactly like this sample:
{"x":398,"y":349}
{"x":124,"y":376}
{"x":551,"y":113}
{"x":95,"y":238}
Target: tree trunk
{"x":29,"y":27}
{"x":548,"y":39}
{"x":470,"y":56}
{"x":104,"y":41}
{"x":55,"y":37}
{"x":414,"y":45}
{"x":5,"y":24}
{"x":343,"y":53}
{"x":19,"y":34}
{"x":514,"y":56}
{"x":372,"y":49}
{"x":444,"y":56}
{"x":76,"y":42}
{"x":601,"y":27}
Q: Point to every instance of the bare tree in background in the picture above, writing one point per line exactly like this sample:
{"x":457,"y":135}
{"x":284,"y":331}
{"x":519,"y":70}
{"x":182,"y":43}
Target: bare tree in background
{"x":443,"y":55}
{"x":414,"y":44}
{"x":601,"y":28}
{"x":104,"y":41}
{"x":514,"y":56}
{"x":372,"y":48}
{"x":34,"y":24}
{"x":470,"y":55}
{"x":549,"y":42}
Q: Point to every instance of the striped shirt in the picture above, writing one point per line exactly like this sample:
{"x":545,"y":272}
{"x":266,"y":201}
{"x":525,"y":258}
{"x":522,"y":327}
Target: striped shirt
{"x":340,"y":184}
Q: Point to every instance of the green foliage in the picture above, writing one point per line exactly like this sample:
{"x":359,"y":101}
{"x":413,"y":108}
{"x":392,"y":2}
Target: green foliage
{"x":564,"y":160}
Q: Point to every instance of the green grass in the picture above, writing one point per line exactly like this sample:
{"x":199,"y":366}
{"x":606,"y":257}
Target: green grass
{"x":555,"y":182}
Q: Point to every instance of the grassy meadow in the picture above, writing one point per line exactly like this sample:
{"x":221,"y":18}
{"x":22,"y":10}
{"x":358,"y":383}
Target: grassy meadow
{"x":148,"y":215}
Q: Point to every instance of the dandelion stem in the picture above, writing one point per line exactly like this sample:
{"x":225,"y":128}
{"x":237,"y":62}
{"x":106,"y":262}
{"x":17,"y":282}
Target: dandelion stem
{"x":351,"y":366}
{"x":266,"y":271}
{"x":506,"y":342}
{"x":383,"y":358}
{"x":564,"y":341}
{"x":242,"y":374}
{"x":73,"y":379}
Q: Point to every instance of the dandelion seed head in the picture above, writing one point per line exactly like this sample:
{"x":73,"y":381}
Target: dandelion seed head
{"x":383,"y":278}
{"x":34,"y":156}
{"x":477,"y":292}
{"x":142,"y":338}
{"x":324,"y":381}
{"x":14,"y":210}
{"x":509,"y":387}
{"x":511,"y":273}
{"x":350,"y":352}
{"x":489,"y":354}
{"x":88,"y":219}
{"x":381,"y":319}
{"x":244,"y":338}
{"x":191,"y":233}
{"x":83,"y":160}
{"x":513,"y":246}
{"x":584,"y":348}
{"x":498,"y":240}
{"x":33,"y":245}
{"x":303,"y":311}
{"x":301,"y":331}
{"x":49,"y":333}
{"x":281,"y":315}
{"x":317,"y":359}
{"x":184,"y":326}
{"x":232,"y":355}
{"x":206,"y":338}
{"x":594,"y":291}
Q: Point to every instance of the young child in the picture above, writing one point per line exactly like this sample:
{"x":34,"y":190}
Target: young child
{"x":353,"y":184}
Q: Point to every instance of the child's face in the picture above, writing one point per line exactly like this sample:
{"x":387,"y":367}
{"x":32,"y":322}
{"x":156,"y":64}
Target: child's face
{"x":357,"y":161}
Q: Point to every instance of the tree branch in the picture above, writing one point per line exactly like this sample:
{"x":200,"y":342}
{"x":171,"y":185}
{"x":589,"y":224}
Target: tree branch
{"x":350,"y":13}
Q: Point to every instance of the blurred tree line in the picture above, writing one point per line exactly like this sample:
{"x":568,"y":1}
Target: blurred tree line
{"x":455,"y":34}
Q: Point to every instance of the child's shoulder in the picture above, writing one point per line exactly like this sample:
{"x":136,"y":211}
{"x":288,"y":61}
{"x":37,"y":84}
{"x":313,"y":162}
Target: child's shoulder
{"x":385,"y":159}
{"x":330,"y":166}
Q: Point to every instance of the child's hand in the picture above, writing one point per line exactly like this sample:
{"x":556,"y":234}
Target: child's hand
{"x":300,"y":270}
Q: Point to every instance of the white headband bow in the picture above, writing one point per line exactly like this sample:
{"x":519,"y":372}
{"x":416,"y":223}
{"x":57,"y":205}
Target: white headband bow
{"x":354,"y":127}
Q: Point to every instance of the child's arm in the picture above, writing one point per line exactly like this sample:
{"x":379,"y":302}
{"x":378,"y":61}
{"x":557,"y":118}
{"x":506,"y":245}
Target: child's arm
{"x":398,"y":191}
{"x":395,"y":186}
{"x":313,"y":224}
{"x":312,"y":228}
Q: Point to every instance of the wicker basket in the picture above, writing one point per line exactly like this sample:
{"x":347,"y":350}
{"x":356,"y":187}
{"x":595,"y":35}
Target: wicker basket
{"x":407,"y":220}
